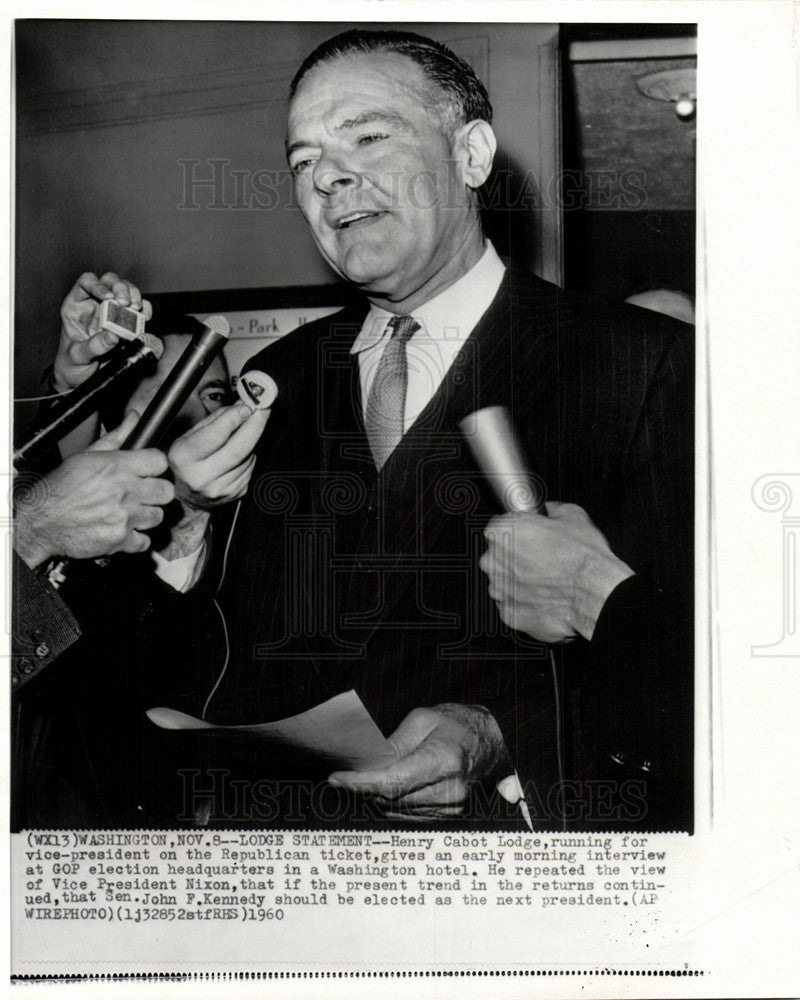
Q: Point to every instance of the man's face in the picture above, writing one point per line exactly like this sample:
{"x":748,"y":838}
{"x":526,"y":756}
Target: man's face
{"x":212,"y":392}
{"x":374,"y":174}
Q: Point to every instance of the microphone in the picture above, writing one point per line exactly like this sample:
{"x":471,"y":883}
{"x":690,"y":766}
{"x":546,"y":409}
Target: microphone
{"x":500,"y":455}
{"x":179,"y":384}
{"x":72,"y":408}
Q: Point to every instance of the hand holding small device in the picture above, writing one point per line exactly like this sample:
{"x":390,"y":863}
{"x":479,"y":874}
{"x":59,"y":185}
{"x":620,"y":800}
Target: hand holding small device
{"x":84,"y":342}
{"x":257,"y":390}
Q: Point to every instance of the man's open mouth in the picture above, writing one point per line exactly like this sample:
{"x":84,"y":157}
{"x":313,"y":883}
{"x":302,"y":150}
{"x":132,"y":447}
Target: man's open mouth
{"x":353,"y":217}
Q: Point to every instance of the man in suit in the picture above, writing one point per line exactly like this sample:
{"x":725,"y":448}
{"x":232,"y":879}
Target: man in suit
{"x":358,"y":556}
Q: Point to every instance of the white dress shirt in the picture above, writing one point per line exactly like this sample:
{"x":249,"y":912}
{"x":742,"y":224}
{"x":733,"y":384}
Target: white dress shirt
{"x":446,"y":322}
{"x":181,"y":573}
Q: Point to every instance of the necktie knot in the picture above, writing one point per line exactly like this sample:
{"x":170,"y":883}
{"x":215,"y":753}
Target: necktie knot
{"x":403,"y":328}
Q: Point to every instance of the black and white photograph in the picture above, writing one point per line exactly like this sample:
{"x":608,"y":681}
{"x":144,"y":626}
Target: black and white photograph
{"x":488,"y":540}
{"x":361,"y":544}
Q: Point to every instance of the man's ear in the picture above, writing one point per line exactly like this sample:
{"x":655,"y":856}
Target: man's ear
{"x":474,"y":146}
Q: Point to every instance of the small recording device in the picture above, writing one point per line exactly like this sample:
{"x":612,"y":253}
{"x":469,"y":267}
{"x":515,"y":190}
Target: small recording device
{"x":257,"y":389}
{"x":121,"y":320}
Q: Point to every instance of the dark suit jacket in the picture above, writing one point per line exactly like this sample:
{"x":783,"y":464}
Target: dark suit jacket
{"x":83,"y":752}
{"x":341,"y":577}
{"x":44,"y":627}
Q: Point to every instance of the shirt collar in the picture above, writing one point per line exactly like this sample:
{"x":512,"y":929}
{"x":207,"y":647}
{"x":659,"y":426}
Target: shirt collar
{"x":453,"y":313}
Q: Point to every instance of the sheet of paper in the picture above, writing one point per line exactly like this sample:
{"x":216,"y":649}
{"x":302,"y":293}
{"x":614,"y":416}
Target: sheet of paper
{"x":340,"y":729}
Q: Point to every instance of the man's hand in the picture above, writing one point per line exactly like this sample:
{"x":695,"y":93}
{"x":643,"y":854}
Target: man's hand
{"x":440,"y":752}
{"x":82,"y":341}
{"x":97,"y":502}
{"x":214,"y":460}
{"x":550,"y":576}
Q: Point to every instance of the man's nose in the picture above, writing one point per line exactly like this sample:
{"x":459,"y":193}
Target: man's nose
{"x":334,"y":175}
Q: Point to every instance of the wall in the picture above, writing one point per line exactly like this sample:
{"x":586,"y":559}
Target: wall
{"x":630,"y":223}
{"x":107,"y":112}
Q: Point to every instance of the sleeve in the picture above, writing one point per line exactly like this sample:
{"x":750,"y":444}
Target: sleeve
{"x":635,"y":696}
{"x":43,"y":625}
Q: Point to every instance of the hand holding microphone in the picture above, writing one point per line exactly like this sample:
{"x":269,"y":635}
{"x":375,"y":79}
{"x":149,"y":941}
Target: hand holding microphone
{"x":97,"y":502}
{"x":212,"y":462}
{"x":550,"y":576}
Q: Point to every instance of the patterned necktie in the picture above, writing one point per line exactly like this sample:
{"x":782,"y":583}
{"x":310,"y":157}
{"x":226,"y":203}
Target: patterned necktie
{"x":386,"y":402}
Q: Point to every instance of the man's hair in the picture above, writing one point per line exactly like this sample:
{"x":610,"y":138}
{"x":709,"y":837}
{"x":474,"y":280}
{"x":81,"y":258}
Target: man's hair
{"x":455,"y":88}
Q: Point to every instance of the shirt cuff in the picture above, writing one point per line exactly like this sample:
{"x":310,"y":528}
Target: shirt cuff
{"x":598,"y":580}
{"x":182,"y":573}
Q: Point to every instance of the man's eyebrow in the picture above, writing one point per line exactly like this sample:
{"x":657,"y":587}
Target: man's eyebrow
{"x":299,"y":144}
{"x":369,"y":117}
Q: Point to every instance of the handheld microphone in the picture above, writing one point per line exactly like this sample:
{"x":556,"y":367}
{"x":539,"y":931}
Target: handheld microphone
{"x":500,"y":455}
{"x":71,"y":409}
{"x":179,"y":384}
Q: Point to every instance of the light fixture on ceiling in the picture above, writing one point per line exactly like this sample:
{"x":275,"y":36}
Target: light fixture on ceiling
{"x":676,"y":85}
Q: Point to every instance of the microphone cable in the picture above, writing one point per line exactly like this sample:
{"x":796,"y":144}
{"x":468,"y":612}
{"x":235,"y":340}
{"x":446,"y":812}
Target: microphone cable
{"x":221,"y":613}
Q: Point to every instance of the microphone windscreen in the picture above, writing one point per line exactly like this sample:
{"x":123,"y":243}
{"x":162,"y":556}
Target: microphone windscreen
{"x":155,"y":344}
{"x":165,"y":322}
{"x":500,"y":455}
{"x":218,"y":324}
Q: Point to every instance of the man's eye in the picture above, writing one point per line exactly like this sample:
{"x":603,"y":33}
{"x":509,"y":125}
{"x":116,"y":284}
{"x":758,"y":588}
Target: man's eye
{"x":367,"y":140}
{"x":300,"y":166}
{"x":213,"y":399}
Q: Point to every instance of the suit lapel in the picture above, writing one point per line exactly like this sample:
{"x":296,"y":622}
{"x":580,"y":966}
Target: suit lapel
{"x":337,"y":393}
